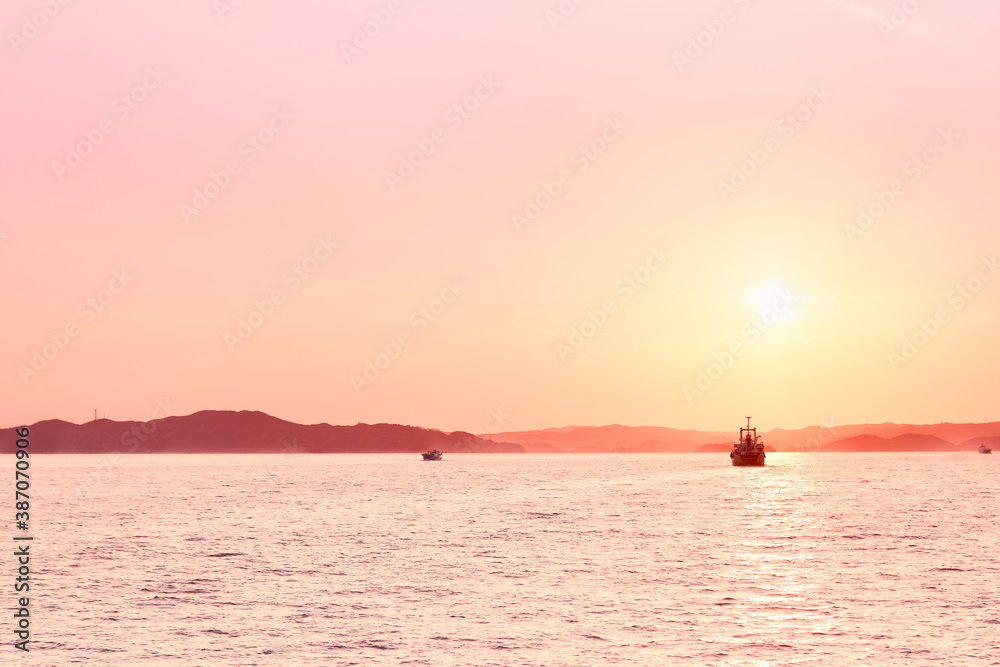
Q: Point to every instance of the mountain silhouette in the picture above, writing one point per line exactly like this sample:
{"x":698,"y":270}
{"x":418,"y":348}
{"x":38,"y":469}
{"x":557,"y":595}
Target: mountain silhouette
{"x":224,"y":431}
{"x":220,"y":431}
{"x":886,"y":437}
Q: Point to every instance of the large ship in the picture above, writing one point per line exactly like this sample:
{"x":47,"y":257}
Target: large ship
{"x":983,"y":449}
{"x":432,"y":455}
{"x":749,"y":451}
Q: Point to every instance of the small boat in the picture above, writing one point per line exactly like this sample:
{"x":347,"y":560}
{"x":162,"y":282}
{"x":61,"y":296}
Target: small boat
{"x":432,"y":455}
{"x":983,"y":449}
{"x":749,"y":451}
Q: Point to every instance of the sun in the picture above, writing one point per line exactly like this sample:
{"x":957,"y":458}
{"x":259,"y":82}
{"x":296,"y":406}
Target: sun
{"x":777,"y":300}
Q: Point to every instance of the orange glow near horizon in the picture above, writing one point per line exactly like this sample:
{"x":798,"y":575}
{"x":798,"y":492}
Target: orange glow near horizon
{"x":479,"y":209}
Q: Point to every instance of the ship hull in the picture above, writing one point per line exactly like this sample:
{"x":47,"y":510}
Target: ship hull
{"x":748,"y":460}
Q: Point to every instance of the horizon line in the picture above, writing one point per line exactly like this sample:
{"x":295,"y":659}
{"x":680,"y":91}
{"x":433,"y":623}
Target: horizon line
{"x":522,"y":430}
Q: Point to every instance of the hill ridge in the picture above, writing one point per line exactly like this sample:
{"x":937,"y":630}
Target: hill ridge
{"x":245,"y":431}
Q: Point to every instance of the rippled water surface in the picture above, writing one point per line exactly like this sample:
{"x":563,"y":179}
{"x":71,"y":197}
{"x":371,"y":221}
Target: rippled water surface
{"x":817,"y":559}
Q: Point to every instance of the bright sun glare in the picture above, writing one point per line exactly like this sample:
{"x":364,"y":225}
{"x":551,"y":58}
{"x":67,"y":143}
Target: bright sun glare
{"x":778,"y":298}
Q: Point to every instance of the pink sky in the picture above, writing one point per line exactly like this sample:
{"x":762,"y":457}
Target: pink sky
{"x":500,"y":337}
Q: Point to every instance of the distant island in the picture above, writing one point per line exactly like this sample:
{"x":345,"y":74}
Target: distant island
{"x":839,"y":438}
{"x":246,"y":432}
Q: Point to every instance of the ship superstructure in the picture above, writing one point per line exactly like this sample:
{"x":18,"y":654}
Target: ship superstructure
{"x":749,"y":450}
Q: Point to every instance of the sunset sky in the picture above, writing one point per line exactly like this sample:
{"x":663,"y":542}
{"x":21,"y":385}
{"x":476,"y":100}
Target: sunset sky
{"x":585,"y":214}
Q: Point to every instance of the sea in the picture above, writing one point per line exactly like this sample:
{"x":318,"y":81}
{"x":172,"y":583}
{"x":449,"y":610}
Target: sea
{"x":509,"y":559}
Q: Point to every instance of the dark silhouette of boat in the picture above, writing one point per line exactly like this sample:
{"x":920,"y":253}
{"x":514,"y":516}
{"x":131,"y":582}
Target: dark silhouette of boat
{"x":432,"y":455}
{"x":983,"y":449}
{"x":749,"y":451}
